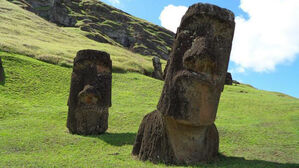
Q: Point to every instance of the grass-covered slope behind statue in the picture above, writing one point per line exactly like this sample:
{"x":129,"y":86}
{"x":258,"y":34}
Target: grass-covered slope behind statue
{"x":24,"y":32}
{"x":258,"y":125}
{"x":104,"y":23}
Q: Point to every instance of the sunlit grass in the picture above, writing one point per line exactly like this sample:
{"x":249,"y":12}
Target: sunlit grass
{"x":26,"y":33}
{"x":258,"y":125}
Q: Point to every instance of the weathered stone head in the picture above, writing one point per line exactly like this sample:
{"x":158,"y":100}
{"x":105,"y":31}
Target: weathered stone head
{"x":90,"y":93}
{"x":228,"y":79}
{"x":198,"y":65}
{"x":157,"y":73}
{"x":182,"y":130}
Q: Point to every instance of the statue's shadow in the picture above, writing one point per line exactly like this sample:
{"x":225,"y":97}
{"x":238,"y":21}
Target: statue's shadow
{"x":117,"y":139}
{"x":120,"y":139}
{"x":239,"y":162}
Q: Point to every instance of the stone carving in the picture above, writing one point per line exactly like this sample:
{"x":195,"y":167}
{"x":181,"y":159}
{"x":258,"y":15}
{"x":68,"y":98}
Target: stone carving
{"x":90,"y":93}
{"x":2,"y":76}
{"x":157,"y":73}
{"x":182,"y":129}
{"x":228,"y":79}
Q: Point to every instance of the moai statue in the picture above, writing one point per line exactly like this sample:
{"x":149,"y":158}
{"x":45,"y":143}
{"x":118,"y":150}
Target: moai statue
{"x":228,"y":79}
{"x":2,"y":76}
{"x":157,"y":73}
{"x":90,"y":93}
{"x":182,"y":129}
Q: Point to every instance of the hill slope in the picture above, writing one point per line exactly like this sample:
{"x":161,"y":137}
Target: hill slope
{"x":257,"y":125}
{"x":103,"y":23}
{"x":24,"y":32}
{"x":260,"y":126}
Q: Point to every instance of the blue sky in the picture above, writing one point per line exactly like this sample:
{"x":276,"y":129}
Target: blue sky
{"x":266,"y":45}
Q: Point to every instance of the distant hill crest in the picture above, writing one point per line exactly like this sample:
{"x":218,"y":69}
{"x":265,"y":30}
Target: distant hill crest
{"x":104,"y":24}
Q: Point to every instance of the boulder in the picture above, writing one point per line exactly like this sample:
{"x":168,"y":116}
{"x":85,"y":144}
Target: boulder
{"x":90,"y":93}
{"x":182,"y":129}
{"x":235,"y":82}
{"x":157,"y":73}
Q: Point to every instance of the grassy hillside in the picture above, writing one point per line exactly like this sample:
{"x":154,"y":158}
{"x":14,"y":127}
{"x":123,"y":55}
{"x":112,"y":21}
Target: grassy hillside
{"x":260,"y":126}
{"x":257,"y":128}
{"x":105,"y":23}
{"x":24,"y":32}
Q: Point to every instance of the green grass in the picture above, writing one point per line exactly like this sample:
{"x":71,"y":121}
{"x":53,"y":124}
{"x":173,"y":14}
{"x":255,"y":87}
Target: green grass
{"x":26,"y":33}
{"x":112,"y":23}
{"x":257,"y":128}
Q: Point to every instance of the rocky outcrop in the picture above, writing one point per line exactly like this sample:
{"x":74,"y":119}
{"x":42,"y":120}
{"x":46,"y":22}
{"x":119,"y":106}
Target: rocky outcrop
{"x":235,"y":82}
{"x":105,"y":24}
{"x":53,"y":10}
{"x":182,"y":129}
{"x":90,"y":93}
{"x":157,"y":73}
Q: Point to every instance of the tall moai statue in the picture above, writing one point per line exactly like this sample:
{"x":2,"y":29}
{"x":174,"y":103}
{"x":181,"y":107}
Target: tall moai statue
{"x":2,"y":75}
{"x":90,"y":93}
{"x":182,"y":129}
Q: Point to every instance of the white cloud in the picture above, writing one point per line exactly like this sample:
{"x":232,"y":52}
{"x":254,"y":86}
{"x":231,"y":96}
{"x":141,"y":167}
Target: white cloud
{"x":114,"y":2}
{"x":237,"y":70}
{"x":269,"y":37}
{"x":171,"y":16}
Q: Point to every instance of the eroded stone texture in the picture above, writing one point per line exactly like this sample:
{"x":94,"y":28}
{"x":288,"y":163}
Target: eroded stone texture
{"x":182,"y":129}
{"x":2,"y":76}
{"x":90,"y":93}
{"x":157,"y":73}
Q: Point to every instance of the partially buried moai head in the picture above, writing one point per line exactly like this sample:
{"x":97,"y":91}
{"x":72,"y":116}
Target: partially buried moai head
{"x":199,"y":62}
{"x":93,"y":68}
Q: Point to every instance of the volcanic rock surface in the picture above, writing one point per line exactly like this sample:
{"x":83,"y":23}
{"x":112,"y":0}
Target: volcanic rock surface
{"x":182,"y":129}
{"x":90,"y":93}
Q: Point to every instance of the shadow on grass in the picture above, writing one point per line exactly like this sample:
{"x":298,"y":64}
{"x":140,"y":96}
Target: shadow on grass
{"x":116,"y":69}
{"x":239,"y":162}
{"x":120,"y":139}
{"x":117,"y":139}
